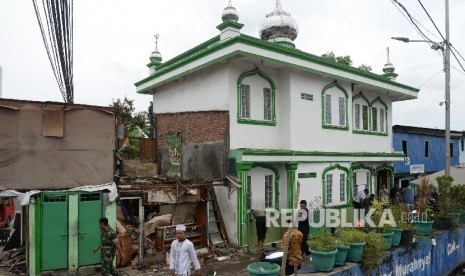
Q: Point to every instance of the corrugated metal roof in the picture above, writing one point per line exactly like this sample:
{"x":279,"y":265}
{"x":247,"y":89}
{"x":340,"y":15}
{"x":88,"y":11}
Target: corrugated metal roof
{"x":426,"y":131}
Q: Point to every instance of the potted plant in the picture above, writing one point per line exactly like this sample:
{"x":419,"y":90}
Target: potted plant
{"x":423,"y":222}
{"x":323,"y":249}
{"x":408,"y":232}
{"x":356,"y":241}
{"x":373,"y":252}
{"x":455,"y":205}
{"x":341,"y":256}
{"x":385,"y":230}
{"x":398,"y":213}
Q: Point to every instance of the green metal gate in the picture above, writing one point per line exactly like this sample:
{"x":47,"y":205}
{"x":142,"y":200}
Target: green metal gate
{"x":54,"y":255}
{"x":90,"y":211}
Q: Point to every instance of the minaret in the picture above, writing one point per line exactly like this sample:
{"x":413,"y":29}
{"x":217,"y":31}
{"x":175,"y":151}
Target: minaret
{"x":155,"y":57}
{"x":279,"y":27}
{"x":389,"y":68}
{"x":230,"y":27}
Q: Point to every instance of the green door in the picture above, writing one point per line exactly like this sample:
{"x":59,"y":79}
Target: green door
{"x":54,"y":249}
{"x":90,"y":211}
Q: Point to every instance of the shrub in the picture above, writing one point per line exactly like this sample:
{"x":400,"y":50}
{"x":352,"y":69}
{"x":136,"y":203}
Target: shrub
{"x":323,"y":242}
{"x":350,"y":235}
{"x":373,"y":252}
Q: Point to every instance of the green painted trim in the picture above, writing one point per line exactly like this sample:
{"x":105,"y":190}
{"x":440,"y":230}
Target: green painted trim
{"x":256,"y":122}
{"x":229,"y":23}
{"x":323,"y":177}
{"x":261,"y":74}
{"x":242,"y":171}
{"x":291,"y":169}
{"x":379,"y":100}
{"x":212,"y":45}
{"x":355,"y":167}
{"x":34,"y":239}
{"x":354,"y":130}
{"x":342,"y":206}
{"x":259,"y":152}
{"x":323,"y":107}
{"x":307,"y":175}
{"x":391,"y":173}
{"x":286,"y":44}
{"x":370,"y":133}
{"x":73,"y":233}
{"x":276,"y":181}
{"x":346,"y":128}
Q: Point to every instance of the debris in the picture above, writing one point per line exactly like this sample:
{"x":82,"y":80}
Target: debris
{"x":222,"y":258}
{"x":160,"y":221}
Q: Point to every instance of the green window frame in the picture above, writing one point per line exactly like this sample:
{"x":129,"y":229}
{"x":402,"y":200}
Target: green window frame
{"x":240,"y":101}
{"x":361,"y":121}
{"x":379,"y":105}
{"x":326,"y":113}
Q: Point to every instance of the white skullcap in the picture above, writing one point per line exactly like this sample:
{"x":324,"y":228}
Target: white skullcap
{"x":181,"y":227}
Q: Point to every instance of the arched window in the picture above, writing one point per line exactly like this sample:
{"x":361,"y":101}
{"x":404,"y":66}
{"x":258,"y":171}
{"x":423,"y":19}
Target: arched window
{"x":334,"y":100}
{"x":335,"y":185}
{"x":256,"y":99}
{"x":379,"y":116}
{"x":361,"y":113}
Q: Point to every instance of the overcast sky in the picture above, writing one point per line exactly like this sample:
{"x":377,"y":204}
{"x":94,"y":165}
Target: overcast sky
{"x":113,"y":40}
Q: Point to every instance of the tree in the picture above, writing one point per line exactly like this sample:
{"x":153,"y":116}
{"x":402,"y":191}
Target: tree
{"x":365,"y":67}
{"x":136,"y":122}
{"x":151,"y":118}
{"x":339,"y":59}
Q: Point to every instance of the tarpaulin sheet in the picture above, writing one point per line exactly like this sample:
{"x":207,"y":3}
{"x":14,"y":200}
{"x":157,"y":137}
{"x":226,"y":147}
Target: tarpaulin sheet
{"x":25,"y":198}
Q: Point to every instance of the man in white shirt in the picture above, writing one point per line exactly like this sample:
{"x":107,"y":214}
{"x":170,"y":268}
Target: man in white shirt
{"x":183,"y":254}
{"x":359,"y":198}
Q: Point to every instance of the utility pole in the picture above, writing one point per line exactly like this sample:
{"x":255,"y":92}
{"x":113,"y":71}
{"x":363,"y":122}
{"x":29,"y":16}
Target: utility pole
{"x":447,"y":93}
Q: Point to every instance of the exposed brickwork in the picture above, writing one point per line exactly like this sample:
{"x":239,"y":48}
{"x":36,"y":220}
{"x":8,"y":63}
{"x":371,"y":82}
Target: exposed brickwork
{"x":196,"y":127}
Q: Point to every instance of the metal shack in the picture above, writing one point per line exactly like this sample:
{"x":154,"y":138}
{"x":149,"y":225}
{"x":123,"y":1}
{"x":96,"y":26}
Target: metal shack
{"x":58,"y":155}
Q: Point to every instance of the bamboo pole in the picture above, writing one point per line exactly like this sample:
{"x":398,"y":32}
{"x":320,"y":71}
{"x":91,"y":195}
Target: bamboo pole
{"x":286,"y":245}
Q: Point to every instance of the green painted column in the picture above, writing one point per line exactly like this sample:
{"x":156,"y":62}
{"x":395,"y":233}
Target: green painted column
{"x":242,"y":173}
{"x":291,"y":169}
{"x":73,"y":233}
{"x":33,"y":266}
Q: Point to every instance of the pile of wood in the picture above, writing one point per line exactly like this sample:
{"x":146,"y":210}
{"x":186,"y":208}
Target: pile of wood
{"x":13,"y":261}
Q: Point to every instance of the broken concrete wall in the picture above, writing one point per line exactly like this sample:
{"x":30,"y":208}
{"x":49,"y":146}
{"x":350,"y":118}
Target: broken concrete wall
{"x":204,"y":137}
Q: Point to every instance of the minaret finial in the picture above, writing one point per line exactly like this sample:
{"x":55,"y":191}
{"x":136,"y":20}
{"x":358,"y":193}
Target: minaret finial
{"x":155,"y":57}
{"x":230,"y":13}
{"x":157,"y":36}
{"x":278,"y":7}
{"x":388,"y":57}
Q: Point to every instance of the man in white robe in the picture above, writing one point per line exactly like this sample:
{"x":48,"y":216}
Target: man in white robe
{"x":183,"y":254}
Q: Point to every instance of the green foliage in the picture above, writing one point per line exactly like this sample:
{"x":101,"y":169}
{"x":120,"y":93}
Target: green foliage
{"x":422,"y":204}
{"x":379,"y":206}
{"x":323,"y":242}
{"x":400,"y":216}
{"x":373,"y":251}
{"x":365,"y":67}
{"x":339,"y":59}
{"x":136,"y":122}
{"x":151,"y":121}
{"x":350,"y":235}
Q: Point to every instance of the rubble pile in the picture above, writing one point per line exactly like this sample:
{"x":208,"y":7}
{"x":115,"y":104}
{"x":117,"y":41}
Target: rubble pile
{"x":13,"y":262}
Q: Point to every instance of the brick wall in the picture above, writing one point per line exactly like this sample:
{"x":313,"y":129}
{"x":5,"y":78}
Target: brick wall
{"x":196,"y":127}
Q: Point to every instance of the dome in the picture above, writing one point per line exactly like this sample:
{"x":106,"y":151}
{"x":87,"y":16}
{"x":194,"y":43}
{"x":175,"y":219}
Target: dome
{"x":389,"y":68}
{"x":279,"y":26}
{"x":230,"y":13}
{"x":155,"y":56}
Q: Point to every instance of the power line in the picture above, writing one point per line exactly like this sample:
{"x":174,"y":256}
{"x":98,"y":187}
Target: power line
{"x":428,"y":80}
{"x":411,"y":20}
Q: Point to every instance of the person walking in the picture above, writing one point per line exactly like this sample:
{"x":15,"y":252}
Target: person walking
{"x":303,"y":226}
{"x":260,"y":225}
{"x":182,"y":254}
{"x":108,"y":248}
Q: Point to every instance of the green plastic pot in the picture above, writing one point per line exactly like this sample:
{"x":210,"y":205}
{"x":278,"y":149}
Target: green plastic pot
{"x":341,"y":255}
{"x":323,"y":261}
{"x":397,"y":236}
{"x":263,"y":268}
{"x":455,"y":218}
{"x":387,"y":237}
{"x":423,"y":228}
{"x":355,"y":252}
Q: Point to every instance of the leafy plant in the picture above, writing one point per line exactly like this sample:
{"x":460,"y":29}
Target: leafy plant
{"x":323,"y":242}
{"x":422,"y":204}
{"x":379,"y":206}
{"x":373,"y":252}
{"x":349,"y":235}
{"x":401,"y":217}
